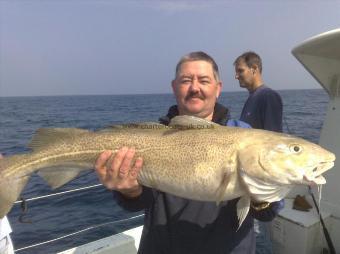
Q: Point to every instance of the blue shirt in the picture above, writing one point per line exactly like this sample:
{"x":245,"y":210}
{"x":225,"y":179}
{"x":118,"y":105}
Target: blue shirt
{"x":263,"y":109}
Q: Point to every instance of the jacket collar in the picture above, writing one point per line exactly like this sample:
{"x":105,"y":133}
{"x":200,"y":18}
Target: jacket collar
{"x":220,"y":116}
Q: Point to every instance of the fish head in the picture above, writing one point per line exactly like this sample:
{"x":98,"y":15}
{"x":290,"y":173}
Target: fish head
{"x":286,"y":160}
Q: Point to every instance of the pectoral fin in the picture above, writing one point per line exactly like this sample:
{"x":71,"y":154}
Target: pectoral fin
{"x":62,"y":174}
{"x":243,"y":206}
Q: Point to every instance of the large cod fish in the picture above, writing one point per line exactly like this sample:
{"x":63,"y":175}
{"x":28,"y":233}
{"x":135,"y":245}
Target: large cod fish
{"x":191,"y":158}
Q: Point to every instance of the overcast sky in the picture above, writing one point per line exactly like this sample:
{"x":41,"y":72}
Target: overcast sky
{"x":130,"y":47}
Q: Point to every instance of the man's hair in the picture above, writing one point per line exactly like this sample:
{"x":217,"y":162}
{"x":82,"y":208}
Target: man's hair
{"x":199,"y":56}
{"x":251,"y":59}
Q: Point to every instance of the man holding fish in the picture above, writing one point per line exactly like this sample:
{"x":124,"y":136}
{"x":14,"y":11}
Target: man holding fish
{"x":202,"y":182}
{"x":174,"y":224}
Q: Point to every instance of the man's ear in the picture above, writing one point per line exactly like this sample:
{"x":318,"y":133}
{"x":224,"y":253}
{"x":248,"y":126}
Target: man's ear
{"x":219,"y":89}
{"x":255,"y":69}
{"x":173,"y":85}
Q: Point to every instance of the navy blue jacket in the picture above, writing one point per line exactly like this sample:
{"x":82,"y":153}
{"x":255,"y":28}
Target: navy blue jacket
{"x":175,"y":225}
{"x":263,"y":109}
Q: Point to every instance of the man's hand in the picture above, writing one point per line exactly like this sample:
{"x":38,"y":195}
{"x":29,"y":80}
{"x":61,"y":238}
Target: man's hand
{"x":119,"y":174}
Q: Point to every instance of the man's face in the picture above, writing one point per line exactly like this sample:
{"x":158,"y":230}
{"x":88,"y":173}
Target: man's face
{"x":244,"y":74}
{"x":196,"y":89}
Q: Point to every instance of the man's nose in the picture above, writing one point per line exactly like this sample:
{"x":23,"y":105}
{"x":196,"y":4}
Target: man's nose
{"x":236,"y":76}
{"x":194,"y":85}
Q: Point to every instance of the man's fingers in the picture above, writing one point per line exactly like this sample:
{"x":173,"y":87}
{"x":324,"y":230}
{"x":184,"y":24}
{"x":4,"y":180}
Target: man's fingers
{"x":136,"y":168}
{"x":100,"y":164}
{"x":126,"y":163}
{"x":118,"y":159}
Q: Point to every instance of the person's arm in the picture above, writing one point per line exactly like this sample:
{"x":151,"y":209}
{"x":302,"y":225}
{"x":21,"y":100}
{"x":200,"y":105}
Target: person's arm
{"x":119,"y":174}
{"x":135,"y":204}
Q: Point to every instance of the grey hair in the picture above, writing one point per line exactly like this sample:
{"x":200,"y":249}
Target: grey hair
{"x":251,"y":59}
{"x":199,"y":56}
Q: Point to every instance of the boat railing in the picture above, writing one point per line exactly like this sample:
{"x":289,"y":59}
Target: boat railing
{"x":76,"y":232}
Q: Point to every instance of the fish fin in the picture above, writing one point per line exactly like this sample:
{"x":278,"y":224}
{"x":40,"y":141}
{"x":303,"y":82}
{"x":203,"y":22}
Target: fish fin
{"x":9,"y":192}
{"x":243,"y":206}
{"x":222,"y":188}
{"x":59,"y":175}
{"x":45,"y":136}
{"x":192,"y":122}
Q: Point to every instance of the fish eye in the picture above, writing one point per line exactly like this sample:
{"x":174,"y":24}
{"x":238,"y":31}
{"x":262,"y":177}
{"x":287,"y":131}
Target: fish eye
{"x":295,"y":148}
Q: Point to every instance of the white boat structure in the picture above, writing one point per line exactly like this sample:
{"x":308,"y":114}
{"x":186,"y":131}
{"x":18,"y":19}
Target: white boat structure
{"x":320,"y":55}
{"x":292,"y":231}
{"x":126,"y":242}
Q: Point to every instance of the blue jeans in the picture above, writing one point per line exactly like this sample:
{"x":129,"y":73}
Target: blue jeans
{"x":263,"y":241}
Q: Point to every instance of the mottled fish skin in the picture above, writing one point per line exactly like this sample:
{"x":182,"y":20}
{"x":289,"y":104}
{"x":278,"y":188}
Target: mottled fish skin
{"x":213,"y":163}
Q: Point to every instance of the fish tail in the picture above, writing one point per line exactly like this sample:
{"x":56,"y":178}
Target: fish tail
{"x":11,"y":185}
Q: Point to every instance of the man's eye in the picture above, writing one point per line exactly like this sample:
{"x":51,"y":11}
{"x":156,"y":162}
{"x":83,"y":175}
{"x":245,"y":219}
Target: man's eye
{"x":205,"y":82}
{"x":186,"y":81}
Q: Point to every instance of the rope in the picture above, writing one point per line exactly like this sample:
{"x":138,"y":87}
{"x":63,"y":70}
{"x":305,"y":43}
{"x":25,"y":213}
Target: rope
{"x":78,"y":232}
{"x":325,"y":231}
{"x":287,"y":126}
{"x":58,"y":193}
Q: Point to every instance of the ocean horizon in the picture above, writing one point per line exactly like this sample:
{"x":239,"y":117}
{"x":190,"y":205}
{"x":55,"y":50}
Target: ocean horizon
{"x":141,"y":94}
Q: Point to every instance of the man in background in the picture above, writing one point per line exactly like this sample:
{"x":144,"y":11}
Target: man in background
{"x":262,"y":110}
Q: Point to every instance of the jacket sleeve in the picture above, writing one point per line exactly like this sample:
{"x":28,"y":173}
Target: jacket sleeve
{"x":237,"y":123}
{"x":135,"y":204}
{"x":268,"y":213}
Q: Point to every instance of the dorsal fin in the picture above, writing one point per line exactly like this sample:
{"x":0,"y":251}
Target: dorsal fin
{"x":46,"y":136}
{"x":192,"y":122}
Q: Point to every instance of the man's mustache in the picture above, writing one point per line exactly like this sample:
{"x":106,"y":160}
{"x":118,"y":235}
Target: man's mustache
{"x":194,"y":95}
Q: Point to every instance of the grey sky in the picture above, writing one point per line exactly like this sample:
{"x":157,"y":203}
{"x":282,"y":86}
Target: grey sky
{"x":126,"y":47}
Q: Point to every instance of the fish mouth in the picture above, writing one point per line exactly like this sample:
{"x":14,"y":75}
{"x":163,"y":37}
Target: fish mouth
{"x":315,"y":176}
